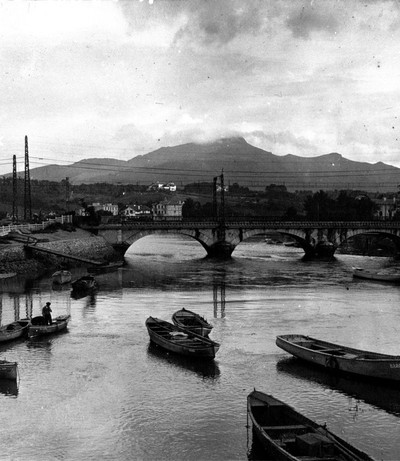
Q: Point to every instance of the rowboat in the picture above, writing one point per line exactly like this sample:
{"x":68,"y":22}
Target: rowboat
{"x":37,"y":328}
{"x":14,"y":330}
{"x":104,"y":268}
{"x":192,"y":322}
{"x":286,"y":434}
{"x":8,"y":370}
{"x":61,"y":277}
{"x":380,"y":275}
{"x":178,"y":340}
{"x":338,"y":358}
{"x":85,"y":283}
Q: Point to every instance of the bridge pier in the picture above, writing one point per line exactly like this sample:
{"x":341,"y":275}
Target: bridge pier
{"x":221,"y":249}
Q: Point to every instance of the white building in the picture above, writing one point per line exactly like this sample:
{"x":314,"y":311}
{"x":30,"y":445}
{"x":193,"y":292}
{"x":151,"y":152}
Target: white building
{"x":168,"y":210}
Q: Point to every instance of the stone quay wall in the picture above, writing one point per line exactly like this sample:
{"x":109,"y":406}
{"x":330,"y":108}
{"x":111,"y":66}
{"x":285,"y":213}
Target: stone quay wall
{"x":17,"y":259}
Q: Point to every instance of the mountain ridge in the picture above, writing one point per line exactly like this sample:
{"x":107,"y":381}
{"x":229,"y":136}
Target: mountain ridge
{"x":241,"y":163}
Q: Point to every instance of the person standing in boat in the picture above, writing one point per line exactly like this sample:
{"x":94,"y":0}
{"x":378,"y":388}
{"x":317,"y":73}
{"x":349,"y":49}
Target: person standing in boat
{"x":46,"y":312}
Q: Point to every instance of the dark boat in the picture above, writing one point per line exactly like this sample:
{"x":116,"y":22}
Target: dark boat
{"x":338,"y":358}
{"x":38,"y":328}
{"x":180,"y":341}
{"x":8,"y":370}
{"x":104,"y":268}
{"x":286,"y":434}
{"x":192,"y":322}
{"x":85,"y":283}
{"x":14,"y":330}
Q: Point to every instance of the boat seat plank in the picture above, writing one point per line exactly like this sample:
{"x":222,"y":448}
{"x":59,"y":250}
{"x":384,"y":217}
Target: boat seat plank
{"x":316,"y":458}
{"x":288,"y":427}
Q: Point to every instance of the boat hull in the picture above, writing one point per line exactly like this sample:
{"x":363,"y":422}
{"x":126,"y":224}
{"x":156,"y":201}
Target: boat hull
{"x":288,"y":435}
{"x":376,"y":275}
{"x":59,"y":323}
{"x":8,"y":370}
{"x":61,"y":277}
{"x":342,"y":359}
{"x":192,"y":322}
{"x":14,"y":330}
{"x":187,"y":344}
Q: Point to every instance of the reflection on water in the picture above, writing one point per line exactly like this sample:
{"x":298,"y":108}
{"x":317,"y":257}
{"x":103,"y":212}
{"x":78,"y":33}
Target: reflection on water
{"x":206,"y":369}
{"x":9,"y":387}
{"x":383,"y":395}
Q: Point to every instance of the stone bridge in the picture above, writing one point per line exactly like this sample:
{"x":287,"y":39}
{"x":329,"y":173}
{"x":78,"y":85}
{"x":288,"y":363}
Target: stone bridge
{"x":318,"y":239}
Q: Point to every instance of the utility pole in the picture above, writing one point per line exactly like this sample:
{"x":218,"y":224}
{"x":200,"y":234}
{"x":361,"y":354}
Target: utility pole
{"x":15,"y":191}
{"x":67,"y":193}
{"x":27,"y":186}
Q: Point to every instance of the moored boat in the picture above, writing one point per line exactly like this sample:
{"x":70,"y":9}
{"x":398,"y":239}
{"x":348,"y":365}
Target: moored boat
{"x":38,"y":328}
{"x":339,"y":358}
{"x":85,"y":283}
{"x":104,"y":268}
{"x":8,"y":370}
{"x":192,"y":322}
{"x":14,"y":330}
{"x":286,"y":434}
{"x":379,"y":275}
{"x":61,"y":277}
{"x":180,"y":341}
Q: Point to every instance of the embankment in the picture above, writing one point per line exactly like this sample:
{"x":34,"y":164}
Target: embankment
{"x":15,"y":258}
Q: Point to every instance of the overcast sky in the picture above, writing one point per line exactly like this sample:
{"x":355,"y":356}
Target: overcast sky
{"x":121,"y":78}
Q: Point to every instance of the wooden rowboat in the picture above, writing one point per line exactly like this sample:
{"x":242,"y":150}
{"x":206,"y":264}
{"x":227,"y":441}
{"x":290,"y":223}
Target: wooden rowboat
{"x":8,"y":370}
{"x":288,"y":435}
{"x":192,"y":322}
{"x":61,"y":277}
{"x":37,"y":329}
{"x":14,"y":330}
{"x":338,"y":358}
{"x":180,"y":341}
{"x":104,"y":268}
{"x":84,"y":283}
{"x":380,"y":275}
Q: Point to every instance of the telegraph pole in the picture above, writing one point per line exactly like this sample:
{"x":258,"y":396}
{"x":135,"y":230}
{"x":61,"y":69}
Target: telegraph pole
{"x":15,"y":191}
{"x":27,"y":186}
{"x":67,"y":193}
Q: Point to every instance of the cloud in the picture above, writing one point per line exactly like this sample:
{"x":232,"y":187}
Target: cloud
{"x":304,"y":21}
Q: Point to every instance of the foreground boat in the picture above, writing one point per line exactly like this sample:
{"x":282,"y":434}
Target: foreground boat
{"x":37,"y":328}
{"x":62,"y":277}
{"x":381,"y":275}
{"x":192,"y":322}
{"x":8,"y":370}
{"x":178,"y":340}
{"x":341,"y":358}
{"x":288,"y":435}
{"x":14,"y":330}
{"x":85,"y":283}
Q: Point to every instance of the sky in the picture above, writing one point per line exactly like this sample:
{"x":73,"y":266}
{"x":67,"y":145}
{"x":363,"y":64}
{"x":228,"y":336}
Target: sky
{"x":117,"y":79}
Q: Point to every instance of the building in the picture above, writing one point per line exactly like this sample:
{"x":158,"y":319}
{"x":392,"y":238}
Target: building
{"x":168,"y":210}
{"x":113,"y":209}
{"x":386,"y":208}
{"x":136,"y":212}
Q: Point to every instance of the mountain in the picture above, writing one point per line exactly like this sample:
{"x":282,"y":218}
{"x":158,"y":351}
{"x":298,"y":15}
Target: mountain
{"x":240,"y":162}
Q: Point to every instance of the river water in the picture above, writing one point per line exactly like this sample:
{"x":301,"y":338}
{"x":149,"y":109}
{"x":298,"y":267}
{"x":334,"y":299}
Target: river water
{"x":101,"y":391}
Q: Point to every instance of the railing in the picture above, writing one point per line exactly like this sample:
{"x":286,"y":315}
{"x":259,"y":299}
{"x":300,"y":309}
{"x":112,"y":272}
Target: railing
{"x":4,"y":230}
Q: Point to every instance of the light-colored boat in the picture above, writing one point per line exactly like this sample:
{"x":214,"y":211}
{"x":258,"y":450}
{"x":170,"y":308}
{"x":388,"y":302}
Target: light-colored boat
{"x":8,"y":370}
{"x":338,"y":358}
{"x":14,"y":330}
{"x":286,"y":434}
{"x":62,"y":277}
{"x":192,"y":322}
{"x":37,"y":328}
{"x":379,"y":275}
{"x":178,"y":340}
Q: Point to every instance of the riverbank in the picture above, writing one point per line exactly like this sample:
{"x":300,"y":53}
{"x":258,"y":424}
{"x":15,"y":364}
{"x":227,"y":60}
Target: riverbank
{"x":79,"y":243}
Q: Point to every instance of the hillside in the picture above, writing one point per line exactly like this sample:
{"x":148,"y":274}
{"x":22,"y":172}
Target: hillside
{"x":240,"y":162}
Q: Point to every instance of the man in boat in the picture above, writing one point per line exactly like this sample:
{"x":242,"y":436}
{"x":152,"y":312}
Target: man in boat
{"x":46,"y":312}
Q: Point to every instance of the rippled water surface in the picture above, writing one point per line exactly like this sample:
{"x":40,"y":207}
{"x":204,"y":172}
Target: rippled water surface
{"x":101,"y":391}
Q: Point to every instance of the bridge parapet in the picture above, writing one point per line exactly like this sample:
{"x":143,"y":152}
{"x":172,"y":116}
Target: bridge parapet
{"x":319,"y":238}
